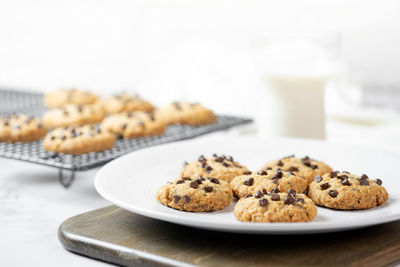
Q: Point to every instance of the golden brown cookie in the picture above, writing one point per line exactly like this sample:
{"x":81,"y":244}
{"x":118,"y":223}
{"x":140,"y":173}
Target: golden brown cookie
{"x":196,"y":195}
{"x":221,"y":167}
{"x":134,"y":124}
{"x":126,"y":102}
{"x":186,"y":113}
{"x":277,"y":180}
{"x":72,"y":115}
{"x":20,"y":128}
{"x":303,"y":167}
{"x":69,"y":96}
{"x":345,"y":191}
{"x":78,"y":140}
{"x":275,"y":207}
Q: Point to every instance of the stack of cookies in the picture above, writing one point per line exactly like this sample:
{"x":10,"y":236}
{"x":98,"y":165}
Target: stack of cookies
{"x":283,"y":190}
{"x":80,"y":122}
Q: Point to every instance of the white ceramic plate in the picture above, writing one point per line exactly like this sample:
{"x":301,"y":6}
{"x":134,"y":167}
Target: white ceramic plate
{"x":131,"y":182}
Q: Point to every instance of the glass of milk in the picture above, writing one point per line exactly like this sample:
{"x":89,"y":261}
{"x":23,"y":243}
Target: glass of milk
{"x":294,"y":69}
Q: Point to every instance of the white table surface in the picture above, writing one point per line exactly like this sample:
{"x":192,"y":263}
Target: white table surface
{"x":33,"y":204}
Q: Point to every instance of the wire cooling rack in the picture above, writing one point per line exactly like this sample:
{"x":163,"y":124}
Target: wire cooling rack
{"x":12,"y":101}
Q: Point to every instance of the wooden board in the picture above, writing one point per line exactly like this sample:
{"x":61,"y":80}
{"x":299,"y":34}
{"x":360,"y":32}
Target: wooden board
{"x":117,"y":236}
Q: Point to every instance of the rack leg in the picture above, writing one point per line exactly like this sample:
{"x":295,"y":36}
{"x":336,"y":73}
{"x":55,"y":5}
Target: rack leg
{"x":65,"y":180}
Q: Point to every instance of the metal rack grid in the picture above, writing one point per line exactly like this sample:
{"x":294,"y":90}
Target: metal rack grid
{"x":31,"y":103}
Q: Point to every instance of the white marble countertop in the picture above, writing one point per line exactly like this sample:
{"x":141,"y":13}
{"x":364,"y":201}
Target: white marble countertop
{"x":33,"y":204}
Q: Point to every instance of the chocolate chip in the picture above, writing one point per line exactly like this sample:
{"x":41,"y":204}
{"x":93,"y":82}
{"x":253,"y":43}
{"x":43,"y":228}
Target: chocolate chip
{"x":318,"y":178}
{"x":264,"y":191}
{"x":289,"y":200}
{"x":278,"y":175}
{"x":275,"y":181}
{"x":263,"y":202}
{"x":341,"y":177}
{"x":288,"y":157}
{"x":275,"y":197}
{"x":230,"y":158}
{"x":151,"y":116}
{"x":238,"y":166}
{"x":203,"y":164}
{"x":52,"y":138}
{"x":346,"y":172}
{"x":63,"y":137}
{"x":280,"y":163}
{"x":293,"y":169}
{"x":246,"y":173}
{"x":258,"y":194}
{"x":292,"y":192}
{"x":314,"y":167}
{"x":275,"y":190}
{"x":226,"y":164}
{"x":215,"y":155}
{"x":262,"y":172}
{"x":325,"y":186}
{"x":199,"y":180}
{"x":186,"y":178}
{"x":345,"y":182}
{"x":378,"y":181}
{"x":208,"y":169}
{"x":333,"y":193}
{"x":123,"y":126}
{"x":333,"y":174}
{"x":180,"y":182}
{"x":202,"y":159}
{"x":248,"y":195}
{"x":97,"y":130}
{"x":208,"y":189}
{"x":6,"y":123}
{"x":186,"y":198}
{"x":364,"y":176}
{"x":185,"y":163}
{"x":300,"y":200}
{"x":194,"y":185}
{"x":176,"y":198}
{"x":248,"y":181}
{"x":364,"y":182}
{"x":219,"y":159}
{"x":214,"y":180}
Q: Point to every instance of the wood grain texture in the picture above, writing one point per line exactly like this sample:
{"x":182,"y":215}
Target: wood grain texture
{"x":117,"y":236}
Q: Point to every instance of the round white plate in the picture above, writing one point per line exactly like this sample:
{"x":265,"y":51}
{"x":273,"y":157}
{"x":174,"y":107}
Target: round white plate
{"x":131,"y":182}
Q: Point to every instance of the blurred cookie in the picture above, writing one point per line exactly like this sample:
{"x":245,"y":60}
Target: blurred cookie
{"x":303,"y":167}
{"x":68,"y":96}
{"x":196,"y":195}
{"x":78,"y":140}
{"x":126,"y":102}
{"x":345,"y":191}
{"x":275,"y":207}
{"x":186,"y":113}
{"x":133,"y":124}
{"x":20,"y":128}
{"x":71,"y":114}
{"x":221,"y":167}
{"x":277,"y":180}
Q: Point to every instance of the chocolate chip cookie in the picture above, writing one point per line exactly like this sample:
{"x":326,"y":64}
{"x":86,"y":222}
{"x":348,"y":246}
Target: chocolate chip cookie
{"x":72,"y":114}
{"x":196,"y":194}
{"x":221,"y":167}
{"x":78,"y":140}
{"x":133,"y":124}
{"x":303,"y":167}
{"x":20,"y":128}
{"x":69,"y":96}
{"x":275,"y":207}
{"x":345,"y":191}
{"x":125,"y":102}
{"x":186,"y":113}
{"x":267,"y":180}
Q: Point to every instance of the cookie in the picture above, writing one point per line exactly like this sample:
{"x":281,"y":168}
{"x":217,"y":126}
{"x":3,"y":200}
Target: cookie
{"x":221,"y":167}
{"x":71,"y":115}
{"x":133,"y":124}
{"x":126,"y":102}
{"x":277,"y":180}
{"x":303,"y":167}
{"x":345,"y":191}
{"x":275,"y":207}
{"x":78,"y":140}
{"x":72,"y":96}
{"x":20,"y":128}
{"x":196,"y":195}
{"x":186,"y":113}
